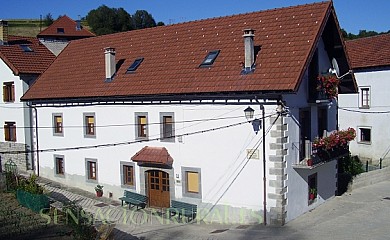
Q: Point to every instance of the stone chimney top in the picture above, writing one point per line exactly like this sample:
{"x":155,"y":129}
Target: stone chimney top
{"x":109,"y":53}
{"x":249,"y":49}
{"x":3,"y":32}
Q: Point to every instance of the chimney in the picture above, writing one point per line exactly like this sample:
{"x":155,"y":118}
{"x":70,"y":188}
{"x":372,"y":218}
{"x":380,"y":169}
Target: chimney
{"x":249,"y":49}
{"x":110,"y":63}
{"x":3,"y":32}
{"x":78,"y":25}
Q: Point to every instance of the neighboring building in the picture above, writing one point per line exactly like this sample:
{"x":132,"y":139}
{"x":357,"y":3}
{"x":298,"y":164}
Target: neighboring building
{"x":22,"y":60}
{"x":160,"y":111}
{"x":368,"y":111}
{"x":57,"y":36}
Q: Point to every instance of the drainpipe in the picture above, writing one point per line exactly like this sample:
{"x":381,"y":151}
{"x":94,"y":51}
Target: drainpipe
{"x":32,"y":136}
{"x":264,"y":165}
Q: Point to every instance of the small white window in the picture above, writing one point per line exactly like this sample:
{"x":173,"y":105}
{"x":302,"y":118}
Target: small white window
{"x":364,"y":97}
{"x":364,"y":135}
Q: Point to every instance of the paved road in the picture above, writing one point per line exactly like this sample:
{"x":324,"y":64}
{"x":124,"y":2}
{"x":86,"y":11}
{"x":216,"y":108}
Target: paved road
{"x":362,"y":214}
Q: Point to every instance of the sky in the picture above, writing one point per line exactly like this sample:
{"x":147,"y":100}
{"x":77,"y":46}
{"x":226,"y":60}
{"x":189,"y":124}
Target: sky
{"x":353,"y":15}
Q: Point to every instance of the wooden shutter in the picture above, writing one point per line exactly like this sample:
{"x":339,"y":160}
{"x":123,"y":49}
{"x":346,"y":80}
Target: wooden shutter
{"x":12,"y":98}
{"x":5,"y":93}
{"x":193,"y":182}
{"x":6,"y":132}
{"x":13,"y":132}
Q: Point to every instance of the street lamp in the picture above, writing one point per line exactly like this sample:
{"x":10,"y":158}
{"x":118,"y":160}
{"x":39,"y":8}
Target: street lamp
{"x":256,"y":123}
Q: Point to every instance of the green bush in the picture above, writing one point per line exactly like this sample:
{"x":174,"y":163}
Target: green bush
{"x":80,"y":221}
{"x":30,"y":185}
{"x":350,"y":165}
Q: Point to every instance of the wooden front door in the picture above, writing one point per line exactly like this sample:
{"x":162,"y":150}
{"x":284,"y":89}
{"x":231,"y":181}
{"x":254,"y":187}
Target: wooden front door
{"x":158,"y":189}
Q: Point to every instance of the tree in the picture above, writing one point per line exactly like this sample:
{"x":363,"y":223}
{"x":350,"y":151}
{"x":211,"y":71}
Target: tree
{"x":48,"y":20}
{"x":362,"y":34}
{"x":105,"y":20}
{"x":143,"y":19}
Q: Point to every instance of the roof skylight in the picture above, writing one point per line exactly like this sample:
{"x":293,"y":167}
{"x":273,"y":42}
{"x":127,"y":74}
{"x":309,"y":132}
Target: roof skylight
{"x":61,"y":30}
{"x":26,"y":48}
{"x":210,"y":58}
{"x":135,"y":65}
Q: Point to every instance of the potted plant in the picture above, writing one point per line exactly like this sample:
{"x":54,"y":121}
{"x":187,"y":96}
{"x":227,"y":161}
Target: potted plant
{"x":329,"y":84}
{"x":99,"y":190}
{"x":309,"y":162}
{"x":312,"y":193}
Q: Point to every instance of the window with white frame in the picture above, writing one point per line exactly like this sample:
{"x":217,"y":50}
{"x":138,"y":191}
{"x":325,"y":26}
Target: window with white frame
{"x":8,"y":92}
{"x":10,"y":131}
{"x":91,"y":169}
{"x":365,"y":95}
{"x":364,"y":135}
{"x":191,"y":182}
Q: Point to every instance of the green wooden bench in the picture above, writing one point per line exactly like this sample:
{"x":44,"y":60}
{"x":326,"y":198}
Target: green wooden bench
{"x":134,"y":199}
{"x":183,"y":209}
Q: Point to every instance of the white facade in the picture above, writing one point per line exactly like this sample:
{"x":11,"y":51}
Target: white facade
{"x":15,"y":112}
{"x":369,"y":116}
{"x":212,"y":139}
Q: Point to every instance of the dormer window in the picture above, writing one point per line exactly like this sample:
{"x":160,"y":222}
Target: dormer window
{"x":134,"y":65}
{"x":210,"y":58}
{"x":26,"y":48}
{"x":60,"y":30}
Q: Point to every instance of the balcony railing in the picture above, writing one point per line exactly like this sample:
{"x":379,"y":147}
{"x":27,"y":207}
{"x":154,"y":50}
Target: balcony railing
{"x":315,"y":158}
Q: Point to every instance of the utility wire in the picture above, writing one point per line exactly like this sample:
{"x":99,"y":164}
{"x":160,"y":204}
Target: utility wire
{"x":123,"y":143}
{"x":242,"y":168}
{"x":367,"y":112}
{"x":131,"y":124}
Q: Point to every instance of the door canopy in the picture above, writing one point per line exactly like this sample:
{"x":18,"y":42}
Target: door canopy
{"x":153,"y":155}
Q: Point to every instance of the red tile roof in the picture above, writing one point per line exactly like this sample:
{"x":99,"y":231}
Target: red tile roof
{"x":369,"y":52}
{"x":153,"y":155}
{"x":172,"y":55}
{"x":21,"y":62}
{"x":69,"y":26}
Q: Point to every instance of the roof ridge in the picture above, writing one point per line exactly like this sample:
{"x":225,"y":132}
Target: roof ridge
{"x":369,"y":37}
{"x":245,"y":13}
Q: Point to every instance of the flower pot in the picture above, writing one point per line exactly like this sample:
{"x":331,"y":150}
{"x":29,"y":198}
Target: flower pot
{"x":99,"y":193}
{"x":309,"y":162}
{"x":312,"y":196}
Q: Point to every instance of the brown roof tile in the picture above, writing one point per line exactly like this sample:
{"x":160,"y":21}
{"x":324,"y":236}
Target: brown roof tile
{"x":172,"y":55}
{"x":369,"y":52}
{"x":153,"y":155}
{"x":69,"y":27}
{"x":21,"y":62}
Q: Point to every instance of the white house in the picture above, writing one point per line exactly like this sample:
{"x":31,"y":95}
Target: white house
{"x":22,"y":60}
{"x":368,"y":111}
{"x":160,"y":111}
{"x":63,"y":30}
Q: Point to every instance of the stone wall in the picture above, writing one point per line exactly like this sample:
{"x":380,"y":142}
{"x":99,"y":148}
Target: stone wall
{"x":369,"y":178}
{"x":277,"y":170}
{"x":20,"y":159}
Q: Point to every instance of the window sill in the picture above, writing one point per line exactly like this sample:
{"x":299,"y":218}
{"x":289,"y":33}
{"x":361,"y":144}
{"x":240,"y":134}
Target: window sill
{"x":364,"y":107}
{"x":364,"y":143}
{"x":128,"y":186}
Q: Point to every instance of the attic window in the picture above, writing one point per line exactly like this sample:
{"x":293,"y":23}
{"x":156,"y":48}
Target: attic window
{"x":210,"y":58}
{"x":61,"y":30}
{"x":26,"y":48}
{"x":135,"y":65}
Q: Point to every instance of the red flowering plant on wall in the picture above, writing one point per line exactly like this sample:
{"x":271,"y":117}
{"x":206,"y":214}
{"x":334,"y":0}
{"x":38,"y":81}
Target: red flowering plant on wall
{"x":329,"y":84}
{"x":335,"y":144}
